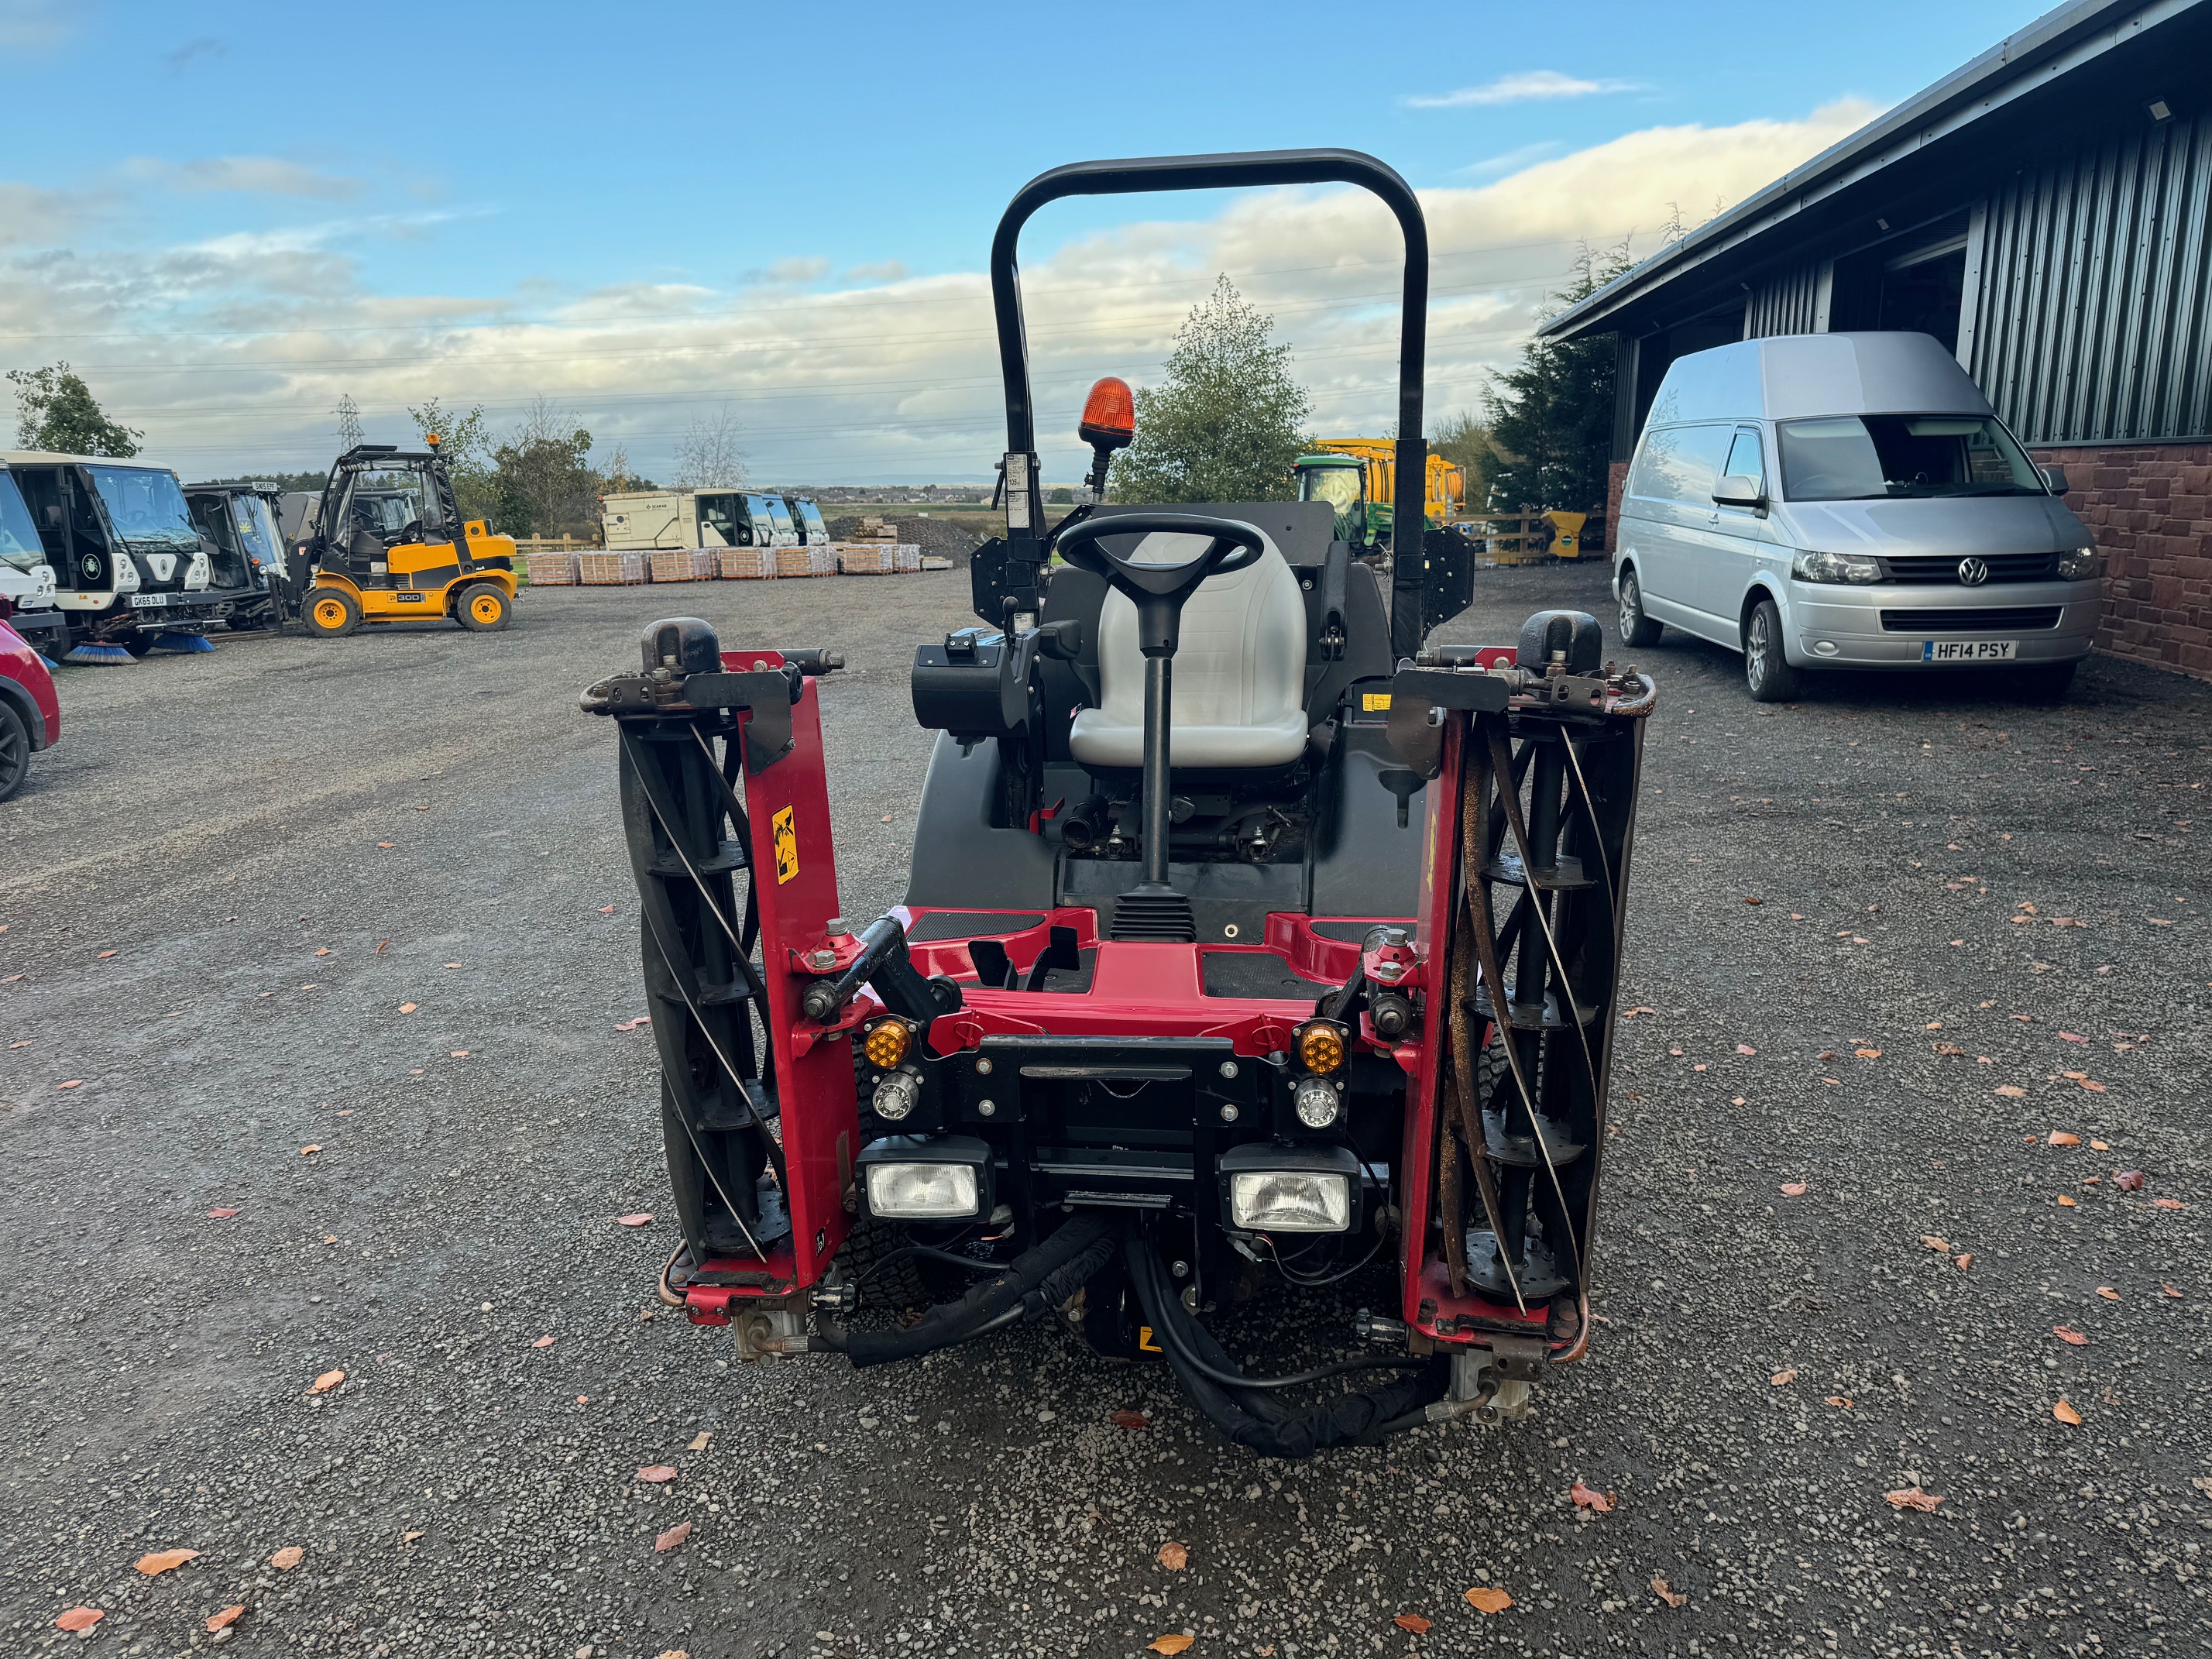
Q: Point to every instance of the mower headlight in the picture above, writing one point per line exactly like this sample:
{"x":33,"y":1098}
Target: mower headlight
{"x":895,"y":1096}
{"x":1290,"y":1190}
{"x":1289,"y":1202}
{"x":1853,"y":567}
{"x":907,"y":1178}
{"x":127,"y":579}
{"x":2079,"y":565}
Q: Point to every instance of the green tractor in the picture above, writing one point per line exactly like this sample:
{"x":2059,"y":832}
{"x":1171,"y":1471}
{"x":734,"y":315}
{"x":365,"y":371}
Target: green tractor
{"x":1362,"y":523}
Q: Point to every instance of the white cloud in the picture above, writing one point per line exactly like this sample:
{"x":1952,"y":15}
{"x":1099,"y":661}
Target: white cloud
{"x":231,"y":350}
{"x":1525,"y":87}
{"x":35,"y":25}
{"x":264,"y":175}
{"x":807,"y":269}
{"x":1511,"y":161}
{"x":884,"y":270}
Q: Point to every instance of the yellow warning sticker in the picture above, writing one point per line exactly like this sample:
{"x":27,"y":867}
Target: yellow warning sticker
{"x":786,"y":845}
{"x":1374,"y":702}
{"x":1145,"y":1340}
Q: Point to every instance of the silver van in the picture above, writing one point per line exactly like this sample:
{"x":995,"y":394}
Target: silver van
{"x":1849,"y":501}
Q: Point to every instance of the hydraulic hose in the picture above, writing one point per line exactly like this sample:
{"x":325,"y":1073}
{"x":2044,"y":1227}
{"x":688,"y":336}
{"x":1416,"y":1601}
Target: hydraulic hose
{"x":1033,"y":1281}
{"x":1245,"y":1411}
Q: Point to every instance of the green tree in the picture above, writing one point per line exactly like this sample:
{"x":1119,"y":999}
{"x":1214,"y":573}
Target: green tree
{"x":1550,"y":418}
{"x":1226,"y":426}
{"x":542,"y":476}
{"x":465,"y":442}
{"x":55,"y":410}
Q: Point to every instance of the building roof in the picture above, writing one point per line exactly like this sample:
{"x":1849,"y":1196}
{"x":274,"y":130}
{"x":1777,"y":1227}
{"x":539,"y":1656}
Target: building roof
{"x":1811,"y":197}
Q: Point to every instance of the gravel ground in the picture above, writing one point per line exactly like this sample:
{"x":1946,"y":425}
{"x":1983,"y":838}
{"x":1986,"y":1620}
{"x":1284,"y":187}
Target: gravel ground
{"x":320,"y":933}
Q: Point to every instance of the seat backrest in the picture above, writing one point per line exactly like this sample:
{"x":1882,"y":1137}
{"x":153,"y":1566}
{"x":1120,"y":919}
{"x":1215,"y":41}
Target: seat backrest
{"x":1242,"y":658}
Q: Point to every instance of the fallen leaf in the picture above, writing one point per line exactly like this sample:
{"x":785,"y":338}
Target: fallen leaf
{"x":700,"y":1440}
{"x":104,"y":955}
{"x":653,"y":1474}
{"x":632,"y":1024}
{"x":1868,"y":1054}
{"x":164,"y":1561}
{"x":1747,"y":899}
{"x":1669,"y":1594}
{"x":2067,"y":1203}
{"x":1483,"y":1599}
{"x":288,"y":1558}
{"x":387,"y":845}
{"x":2130,"y":1180}
{"x":1964,"y":1260}
{"x":1173,"y":1556}
{"x":409,"y":1537}
{"x":1413,"y":1622}
{"x":1129,"y":1419}
{"x":1793,"y":1190}
{"x":542,"y":1342}
{"x":2158,"y":921}
{"x":1783,"y":1379}
{"x":637,"y":1220}
{"x":2099,"y":1147}
{"x":2068,"y":1036}
{"x":1951,"y":1048}
{"x":1745,"y":1048}
{"x":457,"y":1053}
{"x":1633,"y":1013}
{"x":220,"y":1215}
{"x":2166,"y":1289}
{"x":2062,"y":1138}
{"x":2091,"y":1085}
{"x":2168,"y":1204}
{"x":1175,"y":1643}
{"x":74,"y":1083}
{"x":2012,"y":1091}
{"x":1934,"y":1242}
{"x":324,"y":952}
{"x":2066,"y":1334}
{"x":78,"y":1618}
{"x":607,"y":909}
{"x":326,"y":1382}
{"x":453,"y":964}
{"x":2108,"y":1293}
{"x":675,"y":1535}
{"x":229,"y":1615}
{"x":1911,"y":1498}
{"x":1588,"y":1498}
{"x":2066,"y":1414}
{"x":1842,"y":1402}
{"x":406,"y":1008}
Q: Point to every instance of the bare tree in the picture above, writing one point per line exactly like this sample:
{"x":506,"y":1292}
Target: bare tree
{"x":710,"y":454}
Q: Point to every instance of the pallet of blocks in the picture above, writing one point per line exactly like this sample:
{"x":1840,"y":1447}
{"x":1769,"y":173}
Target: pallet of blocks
{"x":550,"y":569}
{"x":908,"y":558}
{"x":610,"y":570}
{"x":822,"y":558}
{"x":868,"y":558}
{"x":747,"y":564}
{"x":693,"y":564}
{"x":794,"y":562}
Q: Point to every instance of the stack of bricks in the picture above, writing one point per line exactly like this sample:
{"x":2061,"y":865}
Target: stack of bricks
{"x":550,"y":569}
{"x":693,"y":564}
{"x":747,"y":564}
{"x":794,"y":562}
{"x":2149,"y":507}
{"x":610,"y":570}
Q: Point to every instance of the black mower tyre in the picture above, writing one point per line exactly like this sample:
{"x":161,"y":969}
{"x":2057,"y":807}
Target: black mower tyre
{"x":1767,"y":674}
{"x":899,"y":1287}
{"x":331,"y":613}
{"x":15,"y":749}
{"x":484,"y":608}
{"x":1637,"y":631}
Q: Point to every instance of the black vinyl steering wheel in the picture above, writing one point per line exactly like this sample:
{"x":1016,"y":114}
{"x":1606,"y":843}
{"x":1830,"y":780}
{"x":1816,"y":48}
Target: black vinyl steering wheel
{"x":1158,"y":590}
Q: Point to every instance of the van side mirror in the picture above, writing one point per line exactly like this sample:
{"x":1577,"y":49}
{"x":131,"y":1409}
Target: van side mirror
{"x":1739,"y":489}
{"x":2054,"y":479}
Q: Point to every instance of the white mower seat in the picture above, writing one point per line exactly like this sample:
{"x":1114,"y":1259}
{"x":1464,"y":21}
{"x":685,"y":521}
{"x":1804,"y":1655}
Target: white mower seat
{"x":1240,"y":669}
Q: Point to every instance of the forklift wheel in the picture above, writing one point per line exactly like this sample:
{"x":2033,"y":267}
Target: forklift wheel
{"x":332,"y":613}
{"x":484,"y":608}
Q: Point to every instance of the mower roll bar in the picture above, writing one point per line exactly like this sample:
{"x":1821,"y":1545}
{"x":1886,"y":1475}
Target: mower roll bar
{"x":1255,"y":167}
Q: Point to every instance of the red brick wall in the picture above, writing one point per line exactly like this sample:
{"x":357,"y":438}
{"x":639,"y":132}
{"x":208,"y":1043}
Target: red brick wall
{"x":1616,"y":482}
{"x":2150,"y":509}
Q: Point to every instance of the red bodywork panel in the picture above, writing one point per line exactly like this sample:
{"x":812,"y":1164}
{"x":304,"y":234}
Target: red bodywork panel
{"x":21,"y":664}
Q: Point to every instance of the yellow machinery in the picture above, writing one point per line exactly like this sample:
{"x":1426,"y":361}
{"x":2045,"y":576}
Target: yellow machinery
{"x":1566,"y":533}
{"x":385,"y":548}
{"x":1446,"y":495}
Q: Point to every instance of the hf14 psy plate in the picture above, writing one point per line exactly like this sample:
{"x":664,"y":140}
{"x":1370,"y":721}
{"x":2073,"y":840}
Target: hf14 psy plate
{"x":1969,"y":650}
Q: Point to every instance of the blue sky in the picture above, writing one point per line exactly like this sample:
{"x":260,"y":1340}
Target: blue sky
{"x":228,"y":215}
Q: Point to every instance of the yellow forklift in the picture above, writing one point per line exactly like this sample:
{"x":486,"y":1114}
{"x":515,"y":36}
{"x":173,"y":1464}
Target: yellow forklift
{"x":388,"y":544}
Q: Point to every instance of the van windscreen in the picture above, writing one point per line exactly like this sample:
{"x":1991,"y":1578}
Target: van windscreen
{"x":1857,"y":458}
{"x":19,"y":545}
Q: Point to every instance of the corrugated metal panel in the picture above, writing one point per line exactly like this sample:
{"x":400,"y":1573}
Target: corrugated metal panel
{"x":2095,"y":321}
{"x":1786,"y":303}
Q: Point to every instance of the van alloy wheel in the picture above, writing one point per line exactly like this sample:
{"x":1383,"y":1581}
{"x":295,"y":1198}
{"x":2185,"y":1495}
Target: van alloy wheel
{"x":1637,"y":630}
{"x":1766,"y":671}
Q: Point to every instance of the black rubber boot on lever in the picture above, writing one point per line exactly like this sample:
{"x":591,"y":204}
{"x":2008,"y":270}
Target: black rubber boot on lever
{"x":1153,"y":911}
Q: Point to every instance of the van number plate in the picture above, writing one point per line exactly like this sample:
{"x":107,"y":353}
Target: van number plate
{"x":1969,"y":650}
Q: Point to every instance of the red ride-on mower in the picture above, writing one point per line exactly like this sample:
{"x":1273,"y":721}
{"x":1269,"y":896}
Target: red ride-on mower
{"x":1239,"y":944}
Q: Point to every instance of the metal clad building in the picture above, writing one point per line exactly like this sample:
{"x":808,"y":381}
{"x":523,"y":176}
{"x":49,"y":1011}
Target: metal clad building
{"x":2046,"y":211}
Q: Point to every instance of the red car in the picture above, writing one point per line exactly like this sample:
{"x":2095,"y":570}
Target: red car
{"x":30,"y":714}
